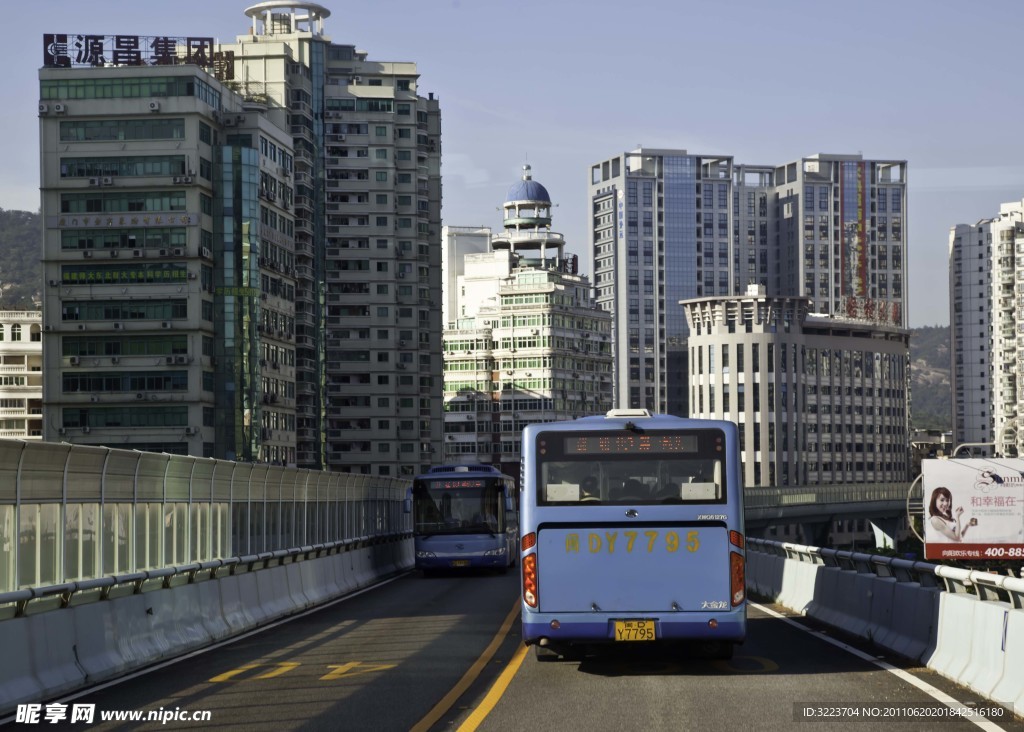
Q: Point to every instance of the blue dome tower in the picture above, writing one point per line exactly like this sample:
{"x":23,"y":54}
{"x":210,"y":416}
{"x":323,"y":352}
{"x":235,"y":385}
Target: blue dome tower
{"x":527,"y":221}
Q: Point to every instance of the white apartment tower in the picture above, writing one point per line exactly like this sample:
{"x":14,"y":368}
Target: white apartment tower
{"x":986,"y":279}
{"x":21,"y":374}
{"x":525,"y":342}
{"x":669,"y":225}
{"x":243,"y":247}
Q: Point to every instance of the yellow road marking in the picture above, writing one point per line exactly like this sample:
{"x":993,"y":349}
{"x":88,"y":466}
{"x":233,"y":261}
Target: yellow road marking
{"x":469,"y":677}
{"x":231,"y":674}
{"x":283,"y":667}
{"x":494,"y":695}
{"x":345,"y":668}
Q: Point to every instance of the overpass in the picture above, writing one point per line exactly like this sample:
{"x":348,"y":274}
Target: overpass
{"x":169,"y":553}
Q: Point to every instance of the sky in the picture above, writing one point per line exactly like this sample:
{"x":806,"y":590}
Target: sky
{"x":562,"y":84}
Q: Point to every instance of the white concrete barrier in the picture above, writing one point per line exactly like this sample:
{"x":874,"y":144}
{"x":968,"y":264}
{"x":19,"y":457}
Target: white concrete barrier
{"x":952,"y":644}
{"x":881,"y":600}
{"x":1010,"y":688}
{"x":18,"y":682}
{"x":52,"y":652}
{"x":798,"y":580}
{"x":914,"y":622}
{"x":844,"y":600}
{"x":988,"y":658}
{"x":233,"y":608}
{"x":826,"y":605}
{"x":98,"y":651}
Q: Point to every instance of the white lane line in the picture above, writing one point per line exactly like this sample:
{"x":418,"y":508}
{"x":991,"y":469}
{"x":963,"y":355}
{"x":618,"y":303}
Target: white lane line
{"x":924,"y":686}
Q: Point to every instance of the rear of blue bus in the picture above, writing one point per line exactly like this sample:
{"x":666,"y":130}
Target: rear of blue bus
{"x":632,"y":530}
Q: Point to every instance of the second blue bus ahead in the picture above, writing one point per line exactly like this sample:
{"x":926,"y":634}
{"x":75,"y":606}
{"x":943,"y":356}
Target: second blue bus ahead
{"x":464,"y":516}
{"x":632,"y":530}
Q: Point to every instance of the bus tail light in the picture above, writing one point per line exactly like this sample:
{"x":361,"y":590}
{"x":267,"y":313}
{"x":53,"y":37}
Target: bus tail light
{"x":736,"y":539}
{"x":530,"y":579}
{"x":737,"y":582}
{"x":529,"y":541}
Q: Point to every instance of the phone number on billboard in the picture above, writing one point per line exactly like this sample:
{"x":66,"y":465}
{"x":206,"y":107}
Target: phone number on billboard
{"x":1002,"y":551}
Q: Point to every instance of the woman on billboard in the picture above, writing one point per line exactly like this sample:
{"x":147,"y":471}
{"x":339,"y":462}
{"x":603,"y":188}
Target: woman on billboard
{"x":944,"y":519}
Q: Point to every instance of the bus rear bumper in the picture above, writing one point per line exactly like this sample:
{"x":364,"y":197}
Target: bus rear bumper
{"x":455,"y":563}
{"x":729,"y":627}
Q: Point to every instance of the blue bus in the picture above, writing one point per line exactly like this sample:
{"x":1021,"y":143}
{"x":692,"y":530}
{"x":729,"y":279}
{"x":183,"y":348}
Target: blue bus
{"x":632,"y":530}
{"x":464,"y":516}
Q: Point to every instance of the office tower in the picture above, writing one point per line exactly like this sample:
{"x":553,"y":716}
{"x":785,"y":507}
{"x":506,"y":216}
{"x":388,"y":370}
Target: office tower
{"x":818,"y":399}
{"x":668,"y":225}
{"x":315,"y":170}
{"x":21,"y":384}
{"x":526,"y":342}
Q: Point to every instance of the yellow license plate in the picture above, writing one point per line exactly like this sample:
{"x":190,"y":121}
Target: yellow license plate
{"x":460,"y":562}
{"x":634,"y":630}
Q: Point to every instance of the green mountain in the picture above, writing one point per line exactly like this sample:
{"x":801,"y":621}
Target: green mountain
{"x":931,"y":393}
{"x":21,"y":268}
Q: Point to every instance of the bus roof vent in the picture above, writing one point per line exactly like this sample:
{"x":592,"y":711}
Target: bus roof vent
{"x":626,"y":413}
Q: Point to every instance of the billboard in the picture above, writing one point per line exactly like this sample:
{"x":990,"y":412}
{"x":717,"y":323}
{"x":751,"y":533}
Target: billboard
{"x":973,"y":508}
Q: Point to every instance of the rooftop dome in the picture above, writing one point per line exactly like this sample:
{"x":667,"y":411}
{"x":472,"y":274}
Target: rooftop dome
{"x":527,"y":189}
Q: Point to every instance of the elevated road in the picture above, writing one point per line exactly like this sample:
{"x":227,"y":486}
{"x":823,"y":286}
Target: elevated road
{"x":444,"y":654}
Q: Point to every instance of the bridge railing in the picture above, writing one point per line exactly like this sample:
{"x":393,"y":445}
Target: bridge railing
{"x":70,"y":513}
{"x":826,"y":494}
{"x":985,"y":585}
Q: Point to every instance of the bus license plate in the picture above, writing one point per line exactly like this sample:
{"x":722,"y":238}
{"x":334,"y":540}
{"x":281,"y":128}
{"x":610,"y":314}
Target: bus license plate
{"x":634,"y":630}
{"x":460,"y":562}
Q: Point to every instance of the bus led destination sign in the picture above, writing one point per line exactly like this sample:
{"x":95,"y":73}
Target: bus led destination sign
{"x":627,"y":444}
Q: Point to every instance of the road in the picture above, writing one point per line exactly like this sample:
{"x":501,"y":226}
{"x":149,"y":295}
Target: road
{"x":422,"y":654}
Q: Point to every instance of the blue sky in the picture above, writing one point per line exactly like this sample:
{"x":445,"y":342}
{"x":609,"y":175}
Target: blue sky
{"x":562,"y":84}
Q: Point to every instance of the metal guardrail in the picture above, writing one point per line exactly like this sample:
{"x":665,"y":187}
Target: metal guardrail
{"x":986,"y":585}
{"x":40,"y":599}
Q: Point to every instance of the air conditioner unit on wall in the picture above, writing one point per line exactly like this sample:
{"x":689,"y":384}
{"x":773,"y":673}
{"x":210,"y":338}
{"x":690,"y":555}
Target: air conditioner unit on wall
{"x":60,"y":108}
{"x":154,"y":106}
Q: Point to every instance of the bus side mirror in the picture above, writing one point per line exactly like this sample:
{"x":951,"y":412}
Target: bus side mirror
{"x":509,"y":506}
{"x":407,"y":505}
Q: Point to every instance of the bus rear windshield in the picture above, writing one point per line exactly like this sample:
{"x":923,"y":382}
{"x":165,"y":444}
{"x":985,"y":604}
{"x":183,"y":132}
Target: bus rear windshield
{"x":625,"y":468}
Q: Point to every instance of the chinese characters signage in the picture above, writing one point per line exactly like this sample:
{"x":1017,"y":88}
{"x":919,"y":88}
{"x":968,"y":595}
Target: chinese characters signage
{"x":68,"y":50}
{"x":973,"y":508}
{"x":101,"y":221}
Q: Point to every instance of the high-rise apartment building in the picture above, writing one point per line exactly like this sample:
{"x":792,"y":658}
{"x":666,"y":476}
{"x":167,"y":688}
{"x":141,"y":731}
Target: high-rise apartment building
{"x":986,"y":272}
{"x":525,"y":342}
{"x":669,"y":225}
{"x":253,"y":259}
{"x":21,"y":374}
